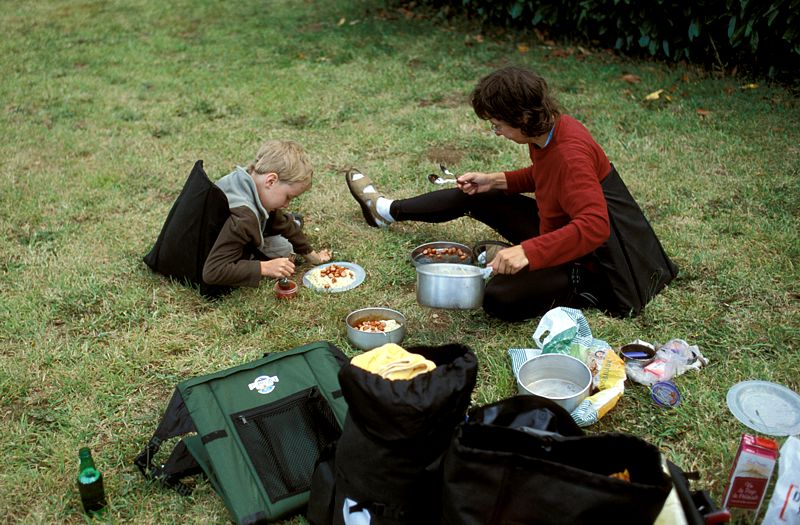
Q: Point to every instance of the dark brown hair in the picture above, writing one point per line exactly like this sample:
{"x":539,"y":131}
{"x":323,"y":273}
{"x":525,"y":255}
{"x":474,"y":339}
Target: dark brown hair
{"x":517,"y":96}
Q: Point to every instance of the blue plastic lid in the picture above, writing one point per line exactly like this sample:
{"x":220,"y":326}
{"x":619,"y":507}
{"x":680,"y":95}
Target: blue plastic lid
{"x":665,"y":394}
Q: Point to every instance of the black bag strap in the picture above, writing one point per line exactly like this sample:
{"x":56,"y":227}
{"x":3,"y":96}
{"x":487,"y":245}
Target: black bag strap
{"x":175,"y":422}
{"x":375,"y":508}
{"x":180,"y":464}
{"x":697,"y":505}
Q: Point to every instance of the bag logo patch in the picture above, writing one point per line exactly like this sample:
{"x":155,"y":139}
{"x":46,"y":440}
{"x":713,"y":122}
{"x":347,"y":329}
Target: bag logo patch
{"x":264,"y":384}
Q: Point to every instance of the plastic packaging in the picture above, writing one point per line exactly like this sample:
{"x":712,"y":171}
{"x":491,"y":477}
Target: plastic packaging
{"x":672,"y":359}
{"x":784,"y":506}
{"x":555,"y":332}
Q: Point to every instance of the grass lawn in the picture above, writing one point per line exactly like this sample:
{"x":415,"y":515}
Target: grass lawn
{"x":107,"y":105}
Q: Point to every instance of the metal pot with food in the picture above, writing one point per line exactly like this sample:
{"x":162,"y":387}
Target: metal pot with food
{"x":369,"y":328}
{"x":451,"y":286}
{"x":441,"y":252}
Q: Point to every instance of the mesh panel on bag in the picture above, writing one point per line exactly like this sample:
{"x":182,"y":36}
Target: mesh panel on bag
{"x":284,"y":440}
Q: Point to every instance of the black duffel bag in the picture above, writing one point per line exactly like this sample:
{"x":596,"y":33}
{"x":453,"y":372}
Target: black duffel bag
{"x":523,"y":460}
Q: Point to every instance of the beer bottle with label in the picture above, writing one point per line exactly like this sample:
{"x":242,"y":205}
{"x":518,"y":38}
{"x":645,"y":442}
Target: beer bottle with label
{"x":90,"y":483}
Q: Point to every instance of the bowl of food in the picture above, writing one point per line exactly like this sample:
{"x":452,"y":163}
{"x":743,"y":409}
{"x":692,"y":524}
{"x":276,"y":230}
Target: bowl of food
{"x":372,"y":327}
{"x":561,"y":378}
{"x":442,"y":252}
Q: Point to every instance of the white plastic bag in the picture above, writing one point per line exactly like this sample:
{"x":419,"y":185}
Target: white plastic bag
{"x":555,"y":332}
{"x":784,"y":505}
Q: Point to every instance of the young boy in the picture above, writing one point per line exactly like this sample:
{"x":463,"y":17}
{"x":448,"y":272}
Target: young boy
{"x":259,"y":239}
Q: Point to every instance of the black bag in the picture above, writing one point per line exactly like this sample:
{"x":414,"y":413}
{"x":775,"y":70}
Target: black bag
{"x":523,"y":460}
{"x":189,"y":232}
{"x":387,"y":461}
{"x":632,"y":258}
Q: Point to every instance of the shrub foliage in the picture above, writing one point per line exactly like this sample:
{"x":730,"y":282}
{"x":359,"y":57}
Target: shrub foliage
{"x":762,"y":37}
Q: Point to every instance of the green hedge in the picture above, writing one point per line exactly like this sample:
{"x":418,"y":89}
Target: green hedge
{"x":762,"y":37}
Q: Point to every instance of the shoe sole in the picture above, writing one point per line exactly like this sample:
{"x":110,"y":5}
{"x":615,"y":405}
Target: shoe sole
{"x":365,"y":211}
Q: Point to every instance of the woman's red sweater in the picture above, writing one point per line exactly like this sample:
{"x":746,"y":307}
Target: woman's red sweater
{"x":565,"y":176}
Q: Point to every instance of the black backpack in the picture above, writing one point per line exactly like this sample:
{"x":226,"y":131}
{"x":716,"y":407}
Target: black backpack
{"x":633,"y":260}
{"x":189,"y":232}
{"x":387,"y":461}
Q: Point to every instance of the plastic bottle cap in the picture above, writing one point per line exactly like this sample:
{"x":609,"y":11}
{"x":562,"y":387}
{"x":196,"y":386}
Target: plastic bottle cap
{"x":665,"y":394}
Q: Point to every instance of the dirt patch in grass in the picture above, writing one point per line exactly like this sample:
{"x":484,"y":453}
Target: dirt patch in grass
{"x":447,"y":155}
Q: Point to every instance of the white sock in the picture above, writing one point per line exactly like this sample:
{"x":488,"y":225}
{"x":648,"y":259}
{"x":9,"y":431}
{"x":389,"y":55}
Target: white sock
{"x":383,"y":207}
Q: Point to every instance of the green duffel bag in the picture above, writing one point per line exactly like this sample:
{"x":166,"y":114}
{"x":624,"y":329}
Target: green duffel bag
{"x":255,"y":431}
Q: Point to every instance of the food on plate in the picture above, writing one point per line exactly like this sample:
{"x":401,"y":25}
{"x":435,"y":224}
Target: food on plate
{"x":376,"y":325}
{"x":331,"y":277}
{"x":440,"y":253}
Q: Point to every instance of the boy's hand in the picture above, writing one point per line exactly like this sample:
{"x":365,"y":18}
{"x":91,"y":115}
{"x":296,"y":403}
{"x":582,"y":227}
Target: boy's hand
{"x":277,"y":268}
{"x":318,"y":257}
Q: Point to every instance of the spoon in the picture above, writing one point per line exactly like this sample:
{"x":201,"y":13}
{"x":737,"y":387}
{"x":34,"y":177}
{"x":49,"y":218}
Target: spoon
{"x":436,"y":179}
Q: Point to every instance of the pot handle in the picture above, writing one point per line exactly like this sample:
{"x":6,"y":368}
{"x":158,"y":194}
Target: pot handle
{"x":486,"y":272}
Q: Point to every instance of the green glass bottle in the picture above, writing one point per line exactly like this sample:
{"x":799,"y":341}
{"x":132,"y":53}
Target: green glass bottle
{"x":90,"y":483}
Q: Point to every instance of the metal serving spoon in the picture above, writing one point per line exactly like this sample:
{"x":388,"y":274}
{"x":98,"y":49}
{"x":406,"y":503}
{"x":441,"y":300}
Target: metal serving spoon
{"x":436,"y":179}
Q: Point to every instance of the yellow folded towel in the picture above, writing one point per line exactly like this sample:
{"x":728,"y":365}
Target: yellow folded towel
{"x":391,"y":361}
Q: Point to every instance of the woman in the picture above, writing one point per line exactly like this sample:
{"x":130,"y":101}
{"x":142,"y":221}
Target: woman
{"x":559,"y":238}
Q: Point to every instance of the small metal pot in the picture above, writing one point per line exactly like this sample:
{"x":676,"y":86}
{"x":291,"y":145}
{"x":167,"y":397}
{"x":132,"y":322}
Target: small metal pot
{"x":451,"y":286}
{"x":370,"y":340}
{"x":558,"y":377}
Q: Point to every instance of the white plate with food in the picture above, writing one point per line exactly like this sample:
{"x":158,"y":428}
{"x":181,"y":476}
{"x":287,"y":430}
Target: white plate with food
{"x":334,"y":277}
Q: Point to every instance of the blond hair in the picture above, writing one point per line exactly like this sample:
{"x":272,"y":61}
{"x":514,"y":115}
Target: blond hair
{"x":287,"y":158}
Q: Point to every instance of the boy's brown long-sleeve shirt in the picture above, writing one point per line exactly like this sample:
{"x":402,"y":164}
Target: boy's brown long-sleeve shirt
{"x":230,"y":263}
{"x":234,"y":260}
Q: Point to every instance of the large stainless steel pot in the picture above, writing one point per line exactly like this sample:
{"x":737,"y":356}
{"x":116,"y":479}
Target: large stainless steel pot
{"x":451,"y":286}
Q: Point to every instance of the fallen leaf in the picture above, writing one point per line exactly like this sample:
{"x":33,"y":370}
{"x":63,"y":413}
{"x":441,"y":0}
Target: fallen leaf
{"x":341,"y":21}
{"x":408,"y":13}
{"x":584,"y":51}
{"x":631,"y":79}
{"x":703,"y":112}
{"x":750,"y":86}
{"x":654,"y":95}
{"x":522,"y":48}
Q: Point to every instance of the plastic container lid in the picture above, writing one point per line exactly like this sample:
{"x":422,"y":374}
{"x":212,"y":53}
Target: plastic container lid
{"x":665,"y":394}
